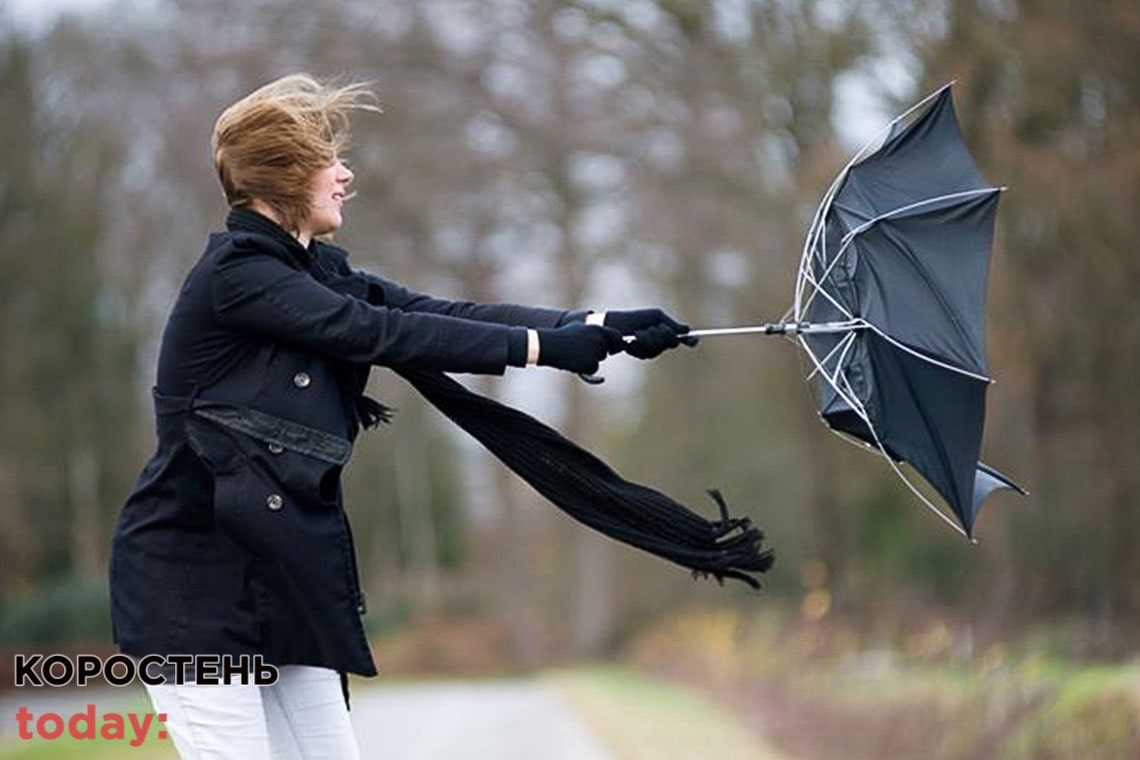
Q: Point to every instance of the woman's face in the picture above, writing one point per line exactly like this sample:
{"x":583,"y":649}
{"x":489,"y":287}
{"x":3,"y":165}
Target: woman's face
{"x":328,"y":190}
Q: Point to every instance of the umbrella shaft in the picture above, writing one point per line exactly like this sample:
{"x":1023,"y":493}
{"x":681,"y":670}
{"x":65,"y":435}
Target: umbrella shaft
{"x":780,"y":328}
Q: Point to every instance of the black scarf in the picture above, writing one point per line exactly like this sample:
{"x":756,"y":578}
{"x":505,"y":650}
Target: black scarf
{"x":588,"y":490}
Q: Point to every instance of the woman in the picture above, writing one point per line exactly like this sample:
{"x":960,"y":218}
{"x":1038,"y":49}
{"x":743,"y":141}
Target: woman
{"x":234,"y":540}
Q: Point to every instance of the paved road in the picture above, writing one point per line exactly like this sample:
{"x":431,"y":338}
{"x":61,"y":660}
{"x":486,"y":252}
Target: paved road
{"x":504,"y":720}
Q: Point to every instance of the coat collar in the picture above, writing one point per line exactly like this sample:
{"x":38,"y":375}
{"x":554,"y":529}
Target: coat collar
{"x":241,"y":219}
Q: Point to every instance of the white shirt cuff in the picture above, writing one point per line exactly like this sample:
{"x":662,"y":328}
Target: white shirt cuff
{"x":596,"y":318}
{"x":531,"y":348}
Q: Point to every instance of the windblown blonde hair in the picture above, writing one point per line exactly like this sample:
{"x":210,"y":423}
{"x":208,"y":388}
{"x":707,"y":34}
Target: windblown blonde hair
{"x":268,"y":145}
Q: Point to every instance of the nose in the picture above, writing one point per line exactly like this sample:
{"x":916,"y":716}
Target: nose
{"x":345,"y":175}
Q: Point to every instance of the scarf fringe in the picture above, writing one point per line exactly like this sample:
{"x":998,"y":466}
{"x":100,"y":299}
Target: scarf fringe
{"x":371,"y":412}
{"x":587,"y":489}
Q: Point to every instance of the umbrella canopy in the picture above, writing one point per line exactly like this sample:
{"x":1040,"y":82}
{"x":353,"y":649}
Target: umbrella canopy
{"x":890,"y":304}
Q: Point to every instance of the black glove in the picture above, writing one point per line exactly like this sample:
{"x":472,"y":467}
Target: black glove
{"x":638,"y":319}
{"x":577,"y":347}
{"x":653,"y":331}
{"x":652,"y":341}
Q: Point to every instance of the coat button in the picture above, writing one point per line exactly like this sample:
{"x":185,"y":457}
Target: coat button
{"x":274,"y":502}
{"x":302,"y":380}
{"x":276,"y":448}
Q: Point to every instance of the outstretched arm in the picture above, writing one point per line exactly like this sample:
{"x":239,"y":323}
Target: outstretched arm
{"x":652,"y":331}
{"x":258,"y":293}
{"x":397,"y":296}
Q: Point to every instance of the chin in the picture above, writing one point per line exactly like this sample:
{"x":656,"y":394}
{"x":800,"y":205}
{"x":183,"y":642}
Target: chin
{"x":327,"y":226}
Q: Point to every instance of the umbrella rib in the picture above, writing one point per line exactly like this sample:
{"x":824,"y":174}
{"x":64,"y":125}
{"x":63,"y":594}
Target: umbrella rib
{"x":930,"y":360}
{"x":913,"y":206}
{"x":851,"y":400}
{"x":818,"y":288}
{"x":842,"y":344}
{"x":914,"y":489}
{"x":939,"y":297}
{"x":857,"y":406}
{"x":841,"y":308}
{"x":807,"y":277}
{"x":827,"y":273}
{"x":849,"y":238}
{"x":812,"y":242}
{"x":898,"y":470}
{"x":843,"y":356}
{"x":937,"y":444}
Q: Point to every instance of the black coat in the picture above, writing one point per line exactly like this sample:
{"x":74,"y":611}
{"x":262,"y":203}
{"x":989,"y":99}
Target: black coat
{"x":235,"y":540}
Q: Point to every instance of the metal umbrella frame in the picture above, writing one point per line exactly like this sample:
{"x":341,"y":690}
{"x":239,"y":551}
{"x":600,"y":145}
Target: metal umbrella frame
{"x":817,"y":263}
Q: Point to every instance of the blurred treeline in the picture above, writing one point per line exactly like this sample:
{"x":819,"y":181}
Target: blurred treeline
{"x":596,"y":153}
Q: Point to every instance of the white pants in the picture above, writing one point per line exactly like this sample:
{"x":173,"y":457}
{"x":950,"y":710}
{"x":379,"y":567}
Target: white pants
{"x":301,"y":717}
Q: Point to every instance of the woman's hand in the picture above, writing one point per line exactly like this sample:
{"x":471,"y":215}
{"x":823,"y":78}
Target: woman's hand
{"x":653,"y":331}
{"x":577,"y":347}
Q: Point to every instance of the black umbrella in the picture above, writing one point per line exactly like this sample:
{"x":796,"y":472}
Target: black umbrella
{"x":888,"y":307}
{"x":890,"y":300}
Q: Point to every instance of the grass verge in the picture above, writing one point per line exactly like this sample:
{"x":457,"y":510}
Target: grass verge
{"x":824,"y":689}
{"x":643,"y":718}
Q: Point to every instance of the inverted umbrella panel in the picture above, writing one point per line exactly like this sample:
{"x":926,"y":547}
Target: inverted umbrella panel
{"x":889,"y":305}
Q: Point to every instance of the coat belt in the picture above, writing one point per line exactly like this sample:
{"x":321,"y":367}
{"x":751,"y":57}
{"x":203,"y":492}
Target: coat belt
{"x":264,"y":427}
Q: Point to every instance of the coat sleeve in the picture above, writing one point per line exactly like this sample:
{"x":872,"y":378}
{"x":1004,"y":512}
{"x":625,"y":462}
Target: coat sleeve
{"x":397,"y":296}
{"x":258,"y":293}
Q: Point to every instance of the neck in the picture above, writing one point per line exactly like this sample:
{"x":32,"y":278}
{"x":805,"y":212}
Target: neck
{"x":303,"y":236}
